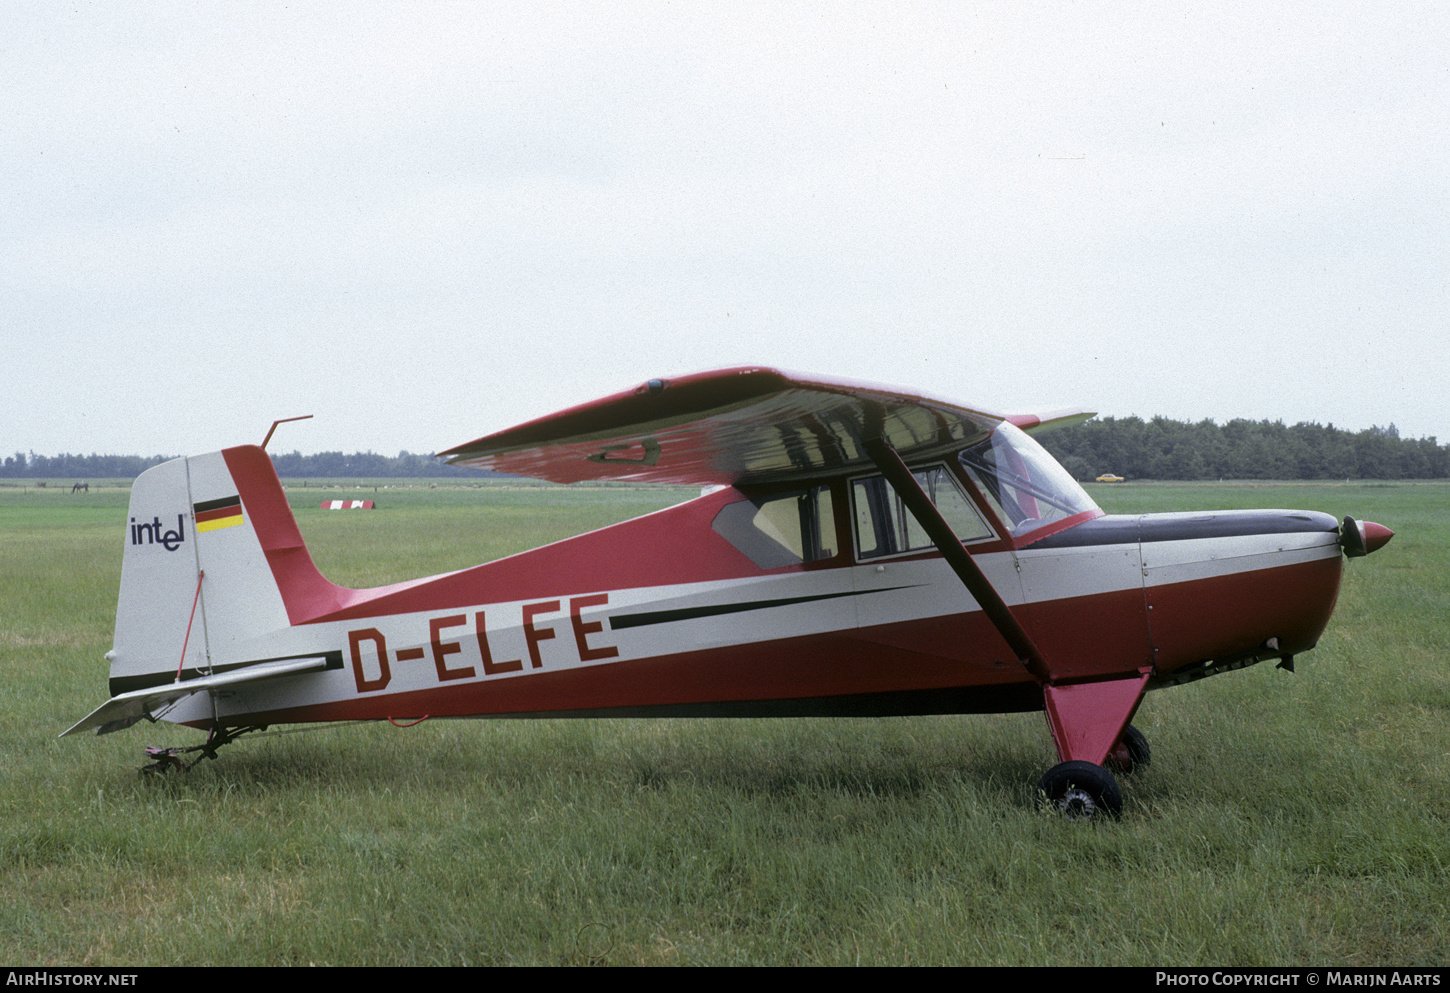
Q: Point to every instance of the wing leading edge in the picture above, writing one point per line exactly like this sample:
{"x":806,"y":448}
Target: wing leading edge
{"x":732,"y":426}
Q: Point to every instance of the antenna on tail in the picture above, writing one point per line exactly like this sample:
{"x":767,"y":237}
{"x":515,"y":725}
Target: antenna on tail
{"x":282,"y":421}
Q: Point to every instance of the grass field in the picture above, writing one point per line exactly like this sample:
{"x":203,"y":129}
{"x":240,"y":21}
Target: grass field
{"x":1286,"y":819}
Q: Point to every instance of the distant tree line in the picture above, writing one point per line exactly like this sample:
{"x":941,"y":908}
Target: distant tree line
{"x":32,"y":466}
{"x":331,"y":465}
{"x":1165,"y":449}
{"x":1154,"y":449}
{"x":324,"y":465}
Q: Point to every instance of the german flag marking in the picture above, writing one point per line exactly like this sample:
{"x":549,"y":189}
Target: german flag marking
{"x":214,"y":514}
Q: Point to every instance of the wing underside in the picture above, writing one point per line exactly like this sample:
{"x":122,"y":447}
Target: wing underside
{"x":748,"y":425}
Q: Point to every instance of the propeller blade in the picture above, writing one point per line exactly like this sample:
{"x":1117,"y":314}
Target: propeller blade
{"x":1351,"y":539}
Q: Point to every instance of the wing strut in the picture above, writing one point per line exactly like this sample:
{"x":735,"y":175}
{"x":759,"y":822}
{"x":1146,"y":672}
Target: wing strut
{"x":946,"y":541}
{"x":1086,"y":718}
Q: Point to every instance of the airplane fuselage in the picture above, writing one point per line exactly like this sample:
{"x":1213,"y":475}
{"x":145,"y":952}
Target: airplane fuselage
{"x":572,"y":629}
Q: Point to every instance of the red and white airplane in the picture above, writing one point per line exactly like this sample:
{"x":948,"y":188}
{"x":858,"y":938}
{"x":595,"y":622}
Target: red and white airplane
{"x":864,"y":551}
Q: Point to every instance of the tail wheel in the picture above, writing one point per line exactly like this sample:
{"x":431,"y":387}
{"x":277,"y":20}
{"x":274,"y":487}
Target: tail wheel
{"x":1130,"y":753}
{"x":1082,"y":791}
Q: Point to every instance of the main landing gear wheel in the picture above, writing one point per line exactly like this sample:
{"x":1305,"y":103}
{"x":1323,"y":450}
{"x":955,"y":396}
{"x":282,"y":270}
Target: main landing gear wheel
{"x":1130,"y":753}
{"x":1082,"y":791}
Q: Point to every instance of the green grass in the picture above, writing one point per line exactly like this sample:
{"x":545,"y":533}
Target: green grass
{"x":1286,"y":819}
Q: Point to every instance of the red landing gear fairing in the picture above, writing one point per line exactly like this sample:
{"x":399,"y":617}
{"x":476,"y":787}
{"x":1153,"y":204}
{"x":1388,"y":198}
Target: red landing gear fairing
{"x":867,"y":551}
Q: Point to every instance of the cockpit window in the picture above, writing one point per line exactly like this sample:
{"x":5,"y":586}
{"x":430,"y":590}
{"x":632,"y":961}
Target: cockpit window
{"x":885,"y":527}
{"x":781,"y":529}
{"x":1026,"y":486}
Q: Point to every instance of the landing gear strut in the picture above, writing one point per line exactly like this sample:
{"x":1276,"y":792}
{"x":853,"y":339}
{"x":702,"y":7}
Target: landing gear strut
{"x":171,"y":759}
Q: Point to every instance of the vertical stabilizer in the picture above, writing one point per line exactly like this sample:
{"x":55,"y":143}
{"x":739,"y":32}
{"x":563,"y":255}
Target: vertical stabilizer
{"x":158,"y":583}
{"x":203,"y":523}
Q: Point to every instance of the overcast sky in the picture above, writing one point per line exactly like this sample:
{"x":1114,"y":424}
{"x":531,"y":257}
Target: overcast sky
{"x":423,"y":222}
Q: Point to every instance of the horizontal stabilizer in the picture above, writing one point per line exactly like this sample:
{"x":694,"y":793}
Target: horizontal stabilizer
{"x":127,"y":708}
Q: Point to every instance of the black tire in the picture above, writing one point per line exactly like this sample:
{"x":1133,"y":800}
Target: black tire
{"x":1082,"y":791}
{"x":1137,"y":746}
{"x":1139,"y":755}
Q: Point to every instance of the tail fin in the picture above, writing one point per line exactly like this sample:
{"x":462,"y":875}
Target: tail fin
{"x":211,"y":548}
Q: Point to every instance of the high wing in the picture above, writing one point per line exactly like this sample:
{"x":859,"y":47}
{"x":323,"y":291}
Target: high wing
{"x":731,"y":426}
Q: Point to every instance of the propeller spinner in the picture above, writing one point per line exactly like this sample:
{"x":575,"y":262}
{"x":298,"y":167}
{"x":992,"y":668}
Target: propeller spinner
{"x":1359,"y":538}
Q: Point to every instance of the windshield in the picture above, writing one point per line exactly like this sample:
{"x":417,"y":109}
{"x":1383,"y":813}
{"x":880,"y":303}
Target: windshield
{"x":1026,"y":486}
